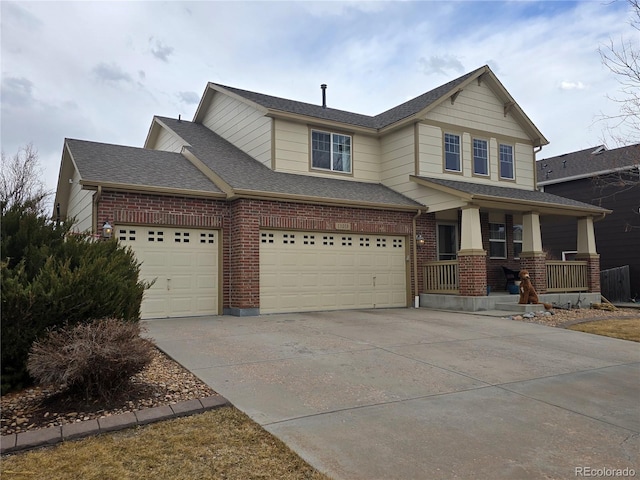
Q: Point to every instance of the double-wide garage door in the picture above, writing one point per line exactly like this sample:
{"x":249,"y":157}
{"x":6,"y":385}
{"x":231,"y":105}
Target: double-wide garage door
{"x":310,"y":271}
{"x":184,"y":265}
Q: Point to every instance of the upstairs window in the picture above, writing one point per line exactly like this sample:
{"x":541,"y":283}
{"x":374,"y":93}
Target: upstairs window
{"x":506,"y":162}
{"x":452,"y":152}
{"x":480,"y":157}
{"x":497,"y":240}
{"x":331,"y":151}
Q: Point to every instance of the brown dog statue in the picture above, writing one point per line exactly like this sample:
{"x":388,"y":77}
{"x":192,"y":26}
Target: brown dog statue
{"x":528,"y":293}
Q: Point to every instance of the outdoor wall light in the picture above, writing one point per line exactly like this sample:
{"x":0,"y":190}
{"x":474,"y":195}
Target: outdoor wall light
{"x":420,"y":240}
{"x":107,"y":230}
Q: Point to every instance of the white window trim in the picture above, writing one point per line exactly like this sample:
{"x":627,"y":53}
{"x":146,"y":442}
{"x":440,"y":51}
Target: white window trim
{"x":473,"y":157}
{"x":513,"y":161}
{"x":444,"y":152}
{"x":498,"y":240}
{"x":331,"y":169}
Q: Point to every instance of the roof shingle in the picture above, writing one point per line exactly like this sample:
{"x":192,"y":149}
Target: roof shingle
{"x":103,"y":162}
{"x":242,"y":172}
{"x":585,"y":163}
{"x":510,"y":193}
{"x":382,"y":120}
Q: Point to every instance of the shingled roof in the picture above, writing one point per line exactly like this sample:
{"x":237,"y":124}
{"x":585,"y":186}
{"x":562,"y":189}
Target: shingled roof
{"x":586,"y":163}
{"x":382,"y":120}
{"x":245,"y":174}
{"x":509,"y":194}
{"x":117,"y":164}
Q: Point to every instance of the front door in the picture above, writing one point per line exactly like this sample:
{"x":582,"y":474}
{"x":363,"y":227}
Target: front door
{"x":447,"y":241}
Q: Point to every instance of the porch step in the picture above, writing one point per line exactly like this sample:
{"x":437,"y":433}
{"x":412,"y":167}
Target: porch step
{"x":518,"y":308}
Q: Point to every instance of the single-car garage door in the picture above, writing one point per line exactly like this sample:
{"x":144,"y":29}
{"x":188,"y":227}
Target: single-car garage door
{"x":309,"y":271}
{"x":184,"y":264}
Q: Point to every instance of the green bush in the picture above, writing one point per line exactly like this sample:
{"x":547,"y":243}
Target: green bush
{"x":50,"y":280}
{"x":97,"y":359}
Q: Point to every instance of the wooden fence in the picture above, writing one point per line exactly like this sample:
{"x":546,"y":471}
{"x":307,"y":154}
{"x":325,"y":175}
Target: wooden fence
{"x":615,"y":284}
{"x":567,"y":276}
{"x":441,"y":277}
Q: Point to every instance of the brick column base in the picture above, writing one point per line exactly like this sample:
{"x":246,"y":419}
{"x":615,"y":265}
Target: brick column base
{"x":593,"y":270}
{"x":472,"y":273}
{"x":536,"y":264}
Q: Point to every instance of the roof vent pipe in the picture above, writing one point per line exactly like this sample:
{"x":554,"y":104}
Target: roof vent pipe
{"x":324,"y":95}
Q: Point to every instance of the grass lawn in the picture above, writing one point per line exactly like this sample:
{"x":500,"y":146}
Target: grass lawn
{"x":220,"y":444}
{"x":624,"y":328}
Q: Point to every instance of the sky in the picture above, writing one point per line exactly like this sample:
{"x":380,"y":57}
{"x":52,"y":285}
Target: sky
{"x":100,"y":71}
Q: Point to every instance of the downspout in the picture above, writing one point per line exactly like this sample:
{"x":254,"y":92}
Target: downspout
{"x":416,"y":298}
{"x":535,"y":167}
{"x":96,"y":200}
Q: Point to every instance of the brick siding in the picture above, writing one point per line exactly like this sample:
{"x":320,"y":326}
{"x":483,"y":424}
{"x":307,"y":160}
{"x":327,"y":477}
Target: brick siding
{"x":240,"y":222}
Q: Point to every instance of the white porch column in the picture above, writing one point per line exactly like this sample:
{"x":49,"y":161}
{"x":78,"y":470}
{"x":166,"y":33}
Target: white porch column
{"x":531,"y":237}
{"x":471,"y":234}
{"x":586,"y":236}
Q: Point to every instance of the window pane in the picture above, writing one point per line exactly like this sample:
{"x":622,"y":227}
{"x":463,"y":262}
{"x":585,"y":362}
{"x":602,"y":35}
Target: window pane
{"x":506,"y":161}
{"x":321,"y":150}
{"x":497,"y":250}
{"x":497,"y":231}
{"x":517,"y":249}
{"x":480,"y":157}
{"x":497,"y":240}
{"x":452,"y":152}
{"x":517,"y":233}
{"x":341,"y":153}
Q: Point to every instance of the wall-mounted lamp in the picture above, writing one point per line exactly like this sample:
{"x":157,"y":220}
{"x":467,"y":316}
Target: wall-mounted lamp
{"x":419,"y":240}
{"x":107,"y":230}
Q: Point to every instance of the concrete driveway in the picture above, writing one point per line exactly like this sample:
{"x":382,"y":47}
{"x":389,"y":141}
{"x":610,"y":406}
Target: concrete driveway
{"x":414,"y":393}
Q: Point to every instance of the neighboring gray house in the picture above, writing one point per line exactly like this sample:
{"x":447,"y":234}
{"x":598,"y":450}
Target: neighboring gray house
{"x":608,"y":179}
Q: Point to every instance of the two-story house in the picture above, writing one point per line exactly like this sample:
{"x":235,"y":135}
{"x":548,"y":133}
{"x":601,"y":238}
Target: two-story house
{"x":262,"y":204}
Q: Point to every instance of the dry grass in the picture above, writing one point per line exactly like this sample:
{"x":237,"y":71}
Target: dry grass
{"x":220,"y":444}
{"x":624,"y":328}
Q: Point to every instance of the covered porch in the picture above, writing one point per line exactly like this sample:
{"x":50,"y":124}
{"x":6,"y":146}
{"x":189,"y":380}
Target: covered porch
{"x":497,"y":231}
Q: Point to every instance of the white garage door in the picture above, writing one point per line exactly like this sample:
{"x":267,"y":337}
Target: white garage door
{"x":309,"y":271}
{"x":184,"y":264}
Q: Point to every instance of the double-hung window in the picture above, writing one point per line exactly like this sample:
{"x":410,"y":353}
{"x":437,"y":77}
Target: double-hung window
{"x":506,"y":162}
{"x":497,"y":240}
{"x":517,"y":241}
{"x":480,"y":157}
{"x":331,"y":151}
{"x":452,"y":153}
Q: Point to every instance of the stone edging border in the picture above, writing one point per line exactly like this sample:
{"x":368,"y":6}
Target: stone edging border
{"x":71,"y":431}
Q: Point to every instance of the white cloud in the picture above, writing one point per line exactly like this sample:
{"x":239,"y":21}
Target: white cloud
{"x":565,"y":85}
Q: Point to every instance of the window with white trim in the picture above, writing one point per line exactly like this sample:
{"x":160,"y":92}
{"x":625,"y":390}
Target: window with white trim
{"x":497,"y":240}
{"x":480,"y":157}
{"x":452,"y":161}
{"x":506,"y":162}
{"x":517,"y":241}
{"x":330,"y":151}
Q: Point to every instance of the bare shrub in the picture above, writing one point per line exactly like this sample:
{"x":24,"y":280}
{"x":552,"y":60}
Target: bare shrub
{"x":96,"y":358}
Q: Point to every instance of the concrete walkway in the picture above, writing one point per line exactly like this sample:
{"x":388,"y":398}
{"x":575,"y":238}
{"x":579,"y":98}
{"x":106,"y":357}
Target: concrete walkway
{"x":420,"y":394}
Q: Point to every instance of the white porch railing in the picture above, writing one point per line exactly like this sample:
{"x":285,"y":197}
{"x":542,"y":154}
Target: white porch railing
{"x":441,"y":277}
{"x":567,"y":276}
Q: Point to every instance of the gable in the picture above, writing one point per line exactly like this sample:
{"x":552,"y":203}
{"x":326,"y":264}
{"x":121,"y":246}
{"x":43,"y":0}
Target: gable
{"x":238,"y":122}
{"x":477,"y":107}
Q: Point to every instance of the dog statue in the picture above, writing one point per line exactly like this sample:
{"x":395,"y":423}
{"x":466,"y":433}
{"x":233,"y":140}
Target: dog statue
{"x":528,"y":293}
